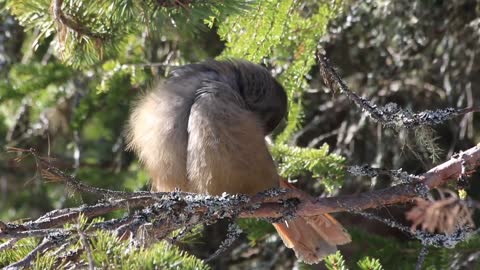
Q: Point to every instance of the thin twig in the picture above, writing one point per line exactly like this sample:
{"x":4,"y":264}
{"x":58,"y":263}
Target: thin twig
{"x":390,"y":115}
{"x":67,"y":21}
{"x":421,"y":257}
{"x":233,"y":234}
{"x":86,"y":246}
{"x":26,"y":261}
{"x":9,"y":244}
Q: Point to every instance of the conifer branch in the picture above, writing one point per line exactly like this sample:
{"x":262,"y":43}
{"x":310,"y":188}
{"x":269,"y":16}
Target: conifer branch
{"x":69,"y":22}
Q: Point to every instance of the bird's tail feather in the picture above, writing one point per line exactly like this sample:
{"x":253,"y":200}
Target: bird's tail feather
{"x":312,"y":238}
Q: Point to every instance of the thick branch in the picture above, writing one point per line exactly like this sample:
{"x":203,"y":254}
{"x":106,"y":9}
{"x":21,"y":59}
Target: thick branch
{"x":169,"y":211}
{"x":451,"y":170}
{"x":163,"y":213}
{"x":263,"y":205}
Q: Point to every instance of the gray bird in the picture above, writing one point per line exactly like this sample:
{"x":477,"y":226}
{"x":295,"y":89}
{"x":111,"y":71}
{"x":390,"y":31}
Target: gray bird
{"x":203,"y":130}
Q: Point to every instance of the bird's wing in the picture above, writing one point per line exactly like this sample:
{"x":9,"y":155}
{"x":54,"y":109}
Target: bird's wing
{"x":226,"y":146}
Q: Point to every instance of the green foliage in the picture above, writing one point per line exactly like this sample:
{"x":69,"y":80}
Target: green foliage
{"x":27,"y":78}
{"x":386,"y":248}
{"x":114,"y":71}
{"x":139,"y":180}
{"x":113,"y":253}
{"x":253,"y":36}
{"x":38,"y":86}
{"x":110,"y":252}
{"x":124,"y":45}
{"x":289,"y":30}
{"x":296,"y":160}
{"x":97,"y":30}
{"x":22,"y":248}
{"x":43,"y":262}
{"x":193,"y":236}
{"x":368,"y":263}
{"x":335,"y":262}
{"x":255,"y":229}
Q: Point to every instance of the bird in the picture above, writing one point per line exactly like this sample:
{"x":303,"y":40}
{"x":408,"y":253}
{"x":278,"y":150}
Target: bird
{"x":203,"y":130}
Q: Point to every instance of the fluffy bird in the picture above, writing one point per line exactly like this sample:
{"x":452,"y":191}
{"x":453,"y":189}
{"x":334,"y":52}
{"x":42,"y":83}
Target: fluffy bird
{"x":203,"y":130}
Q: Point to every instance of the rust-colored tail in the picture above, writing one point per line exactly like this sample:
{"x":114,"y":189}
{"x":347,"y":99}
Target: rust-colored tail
{"x":312,"y":238}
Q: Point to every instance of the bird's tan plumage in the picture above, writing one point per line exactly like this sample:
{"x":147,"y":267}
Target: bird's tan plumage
{"x":203,"y":131}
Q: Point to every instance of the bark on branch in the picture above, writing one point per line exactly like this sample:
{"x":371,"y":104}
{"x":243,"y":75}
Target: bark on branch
{"x":164,"y":212}
{"x":461,"y":164}
{"x":269,"y":204}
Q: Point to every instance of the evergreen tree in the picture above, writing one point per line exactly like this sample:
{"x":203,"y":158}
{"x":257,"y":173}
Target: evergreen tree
{"x":70,"y":70}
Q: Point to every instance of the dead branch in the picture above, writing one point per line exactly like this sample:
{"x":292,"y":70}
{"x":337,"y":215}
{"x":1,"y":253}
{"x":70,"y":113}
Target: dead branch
{"x":444,"y":215}
{"x":390,"y":115}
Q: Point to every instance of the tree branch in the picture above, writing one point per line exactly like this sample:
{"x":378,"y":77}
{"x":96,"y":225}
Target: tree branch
{"x":45,"y":245}
{"x":162,"y":213}
{"x":69,"y":22}
{"x":390,"y":115}
{"x":268,"y":204}
{"x":465,"y":162}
